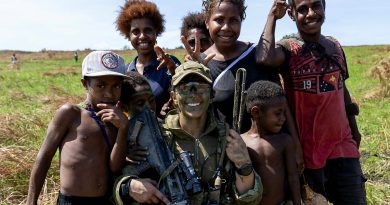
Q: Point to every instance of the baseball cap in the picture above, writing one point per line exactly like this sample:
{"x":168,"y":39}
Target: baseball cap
{"x":102,"y":63}
{"x":191,"y":67}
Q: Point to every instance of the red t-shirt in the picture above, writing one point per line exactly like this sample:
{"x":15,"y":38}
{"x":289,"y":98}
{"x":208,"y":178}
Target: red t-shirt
{"x":314,"y":88}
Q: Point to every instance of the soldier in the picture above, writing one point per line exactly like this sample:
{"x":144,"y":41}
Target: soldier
{"x":192,"y":127}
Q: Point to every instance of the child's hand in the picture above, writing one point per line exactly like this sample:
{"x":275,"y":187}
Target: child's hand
{"x":165,"y":60}
{"x":112,"y":114}
{"x":166,"y":108}
{"x":136,"y":154}
{"x":194,"y":54}
{"x":236,"y":149}
{"x":279,"y":8}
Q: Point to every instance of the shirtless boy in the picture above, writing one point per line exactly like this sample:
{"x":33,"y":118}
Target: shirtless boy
{"x":272,"y":152}
{"x":91,"y":136}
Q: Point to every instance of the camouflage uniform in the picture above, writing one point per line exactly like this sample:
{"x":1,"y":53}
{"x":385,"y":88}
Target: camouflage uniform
{"x":206,"y":152}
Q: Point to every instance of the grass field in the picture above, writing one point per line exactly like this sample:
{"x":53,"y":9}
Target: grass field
{"x":29,"y":96}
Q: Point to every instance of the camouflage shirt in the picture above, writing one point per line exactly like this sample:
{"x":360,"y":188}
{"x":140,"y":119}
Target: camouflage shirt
{"x":206,"y":152}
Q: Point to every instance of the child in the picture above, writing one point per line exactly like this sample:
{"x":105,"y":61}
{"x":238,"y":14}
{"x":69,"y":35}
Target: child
{"x":91,"y":136}
{"x":137,"y":92}
{"x":314,"y":70}
{"x":141,"y":22}
{"x":272,"y":152}
{"x":194,"y":24}
{"x":223,"y":20}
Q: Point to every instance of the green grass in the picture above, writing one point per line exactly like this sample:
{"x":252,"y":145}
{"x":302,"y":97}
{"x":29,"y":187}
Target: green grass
{"x":373,"y":121}
{"x":29,"y":97}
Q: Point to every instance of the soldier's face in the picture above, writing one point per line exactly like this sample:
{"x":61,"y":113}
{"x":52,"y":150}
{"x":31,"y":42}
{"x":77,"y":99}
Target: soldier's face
{"x":192,"y":98}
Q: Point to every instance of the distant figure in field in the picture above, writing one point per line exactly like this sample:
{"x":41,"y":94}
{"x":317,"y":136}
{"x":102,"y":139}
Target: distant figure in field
{"x":90,"y":136}
{"x":76,"y":56}
{"x":14,"y":60}
{"x":272,"y":152}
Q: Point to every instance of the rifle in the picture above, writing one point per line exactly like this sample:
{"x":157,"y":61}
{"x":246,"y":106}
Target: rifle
{"x":174,"y":175}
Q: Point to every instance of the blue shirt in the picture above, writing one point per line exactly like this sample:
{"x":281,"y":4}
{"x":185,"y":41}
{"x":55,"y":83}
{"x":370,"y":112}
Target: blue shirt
{"x":159,"y":80}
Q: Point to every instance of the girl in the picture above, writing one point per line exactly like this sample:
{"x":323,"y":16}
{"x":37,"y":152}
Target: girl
{"x":141,"y":22}
{"x":227,"y":55}
{"x":223,"y":20}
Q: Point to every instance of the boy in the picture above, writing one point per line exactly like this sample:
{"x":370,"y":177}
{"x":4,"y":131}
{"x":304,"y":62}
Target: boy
{"x":194,"y":24}
{"x":192,"y":127}
{"x":314,"y":70}
{"x":137,"y":92}
{"x":272,"y":152}
{"x":91,"y":137}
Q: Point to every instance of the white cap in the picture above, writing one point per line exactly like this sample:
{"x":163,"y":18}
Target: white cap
{"x":101,"y":63}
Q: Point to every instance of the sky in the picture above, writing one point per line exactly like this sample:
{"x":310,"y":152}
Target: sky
{"x":33,"y":25}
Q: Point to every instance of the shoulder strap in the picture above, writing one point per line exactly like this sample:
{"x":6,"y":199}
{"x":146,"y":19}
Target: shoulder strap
{"x":234,"y":63}
{"x":101,"y":126}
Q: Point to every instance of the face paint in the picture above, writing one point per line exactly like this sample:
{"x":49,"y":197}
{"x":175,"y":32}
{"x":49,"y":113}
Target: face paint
{"x":197,"y":88}
{"x":193,"y":99}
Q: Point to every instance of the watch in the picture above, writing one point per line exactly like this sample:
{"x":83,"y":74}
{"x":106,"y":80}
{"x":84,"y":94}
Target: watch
{"x":245,"y":170}
{"x":124,"y":191}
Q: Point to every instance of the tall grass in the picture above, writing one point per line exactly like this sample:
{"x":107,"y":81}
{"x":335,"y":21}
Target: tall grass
{"x":29,"y":97}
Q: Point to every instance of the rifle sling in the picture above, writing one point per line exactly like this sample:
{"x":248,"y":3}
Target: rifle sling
{"x":137,"y":128}
{"x":168,"y":171}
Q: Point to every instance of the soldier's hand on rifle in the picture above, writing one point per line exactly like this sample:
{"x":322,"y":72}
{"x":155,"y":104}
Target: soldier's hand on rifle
{"x":145,"y":191}
{"x":136,"y":154}
{"x":236,"y":149}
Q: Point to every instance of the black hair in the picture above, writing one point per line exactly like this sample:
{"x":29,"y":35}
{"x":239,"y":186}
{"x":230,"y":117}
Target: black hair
{"x":262,"y":93}
{"x":292,"y":4}
{"x":209,"y":5}
{"x":194,"y":20}
{"x":130,"y":84}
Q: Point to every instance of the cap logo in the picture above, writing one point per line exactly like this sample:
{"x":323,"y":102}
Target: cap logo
{"x":110,"y":61}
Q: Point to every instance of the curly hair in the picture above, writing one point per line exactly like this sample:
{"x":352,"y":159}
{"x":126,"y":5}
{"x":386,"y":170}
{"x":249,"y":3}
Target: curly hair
{"x":136,"y":9}
{"x":209,"y":5}
{"x":194,"y":20}
{"x":262,"y":93}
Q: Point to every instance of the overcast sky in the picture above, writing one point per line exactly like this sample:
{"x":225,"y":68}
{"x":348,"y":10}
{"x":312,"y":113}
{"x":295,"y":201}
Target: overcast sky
{"x":32,"y":25}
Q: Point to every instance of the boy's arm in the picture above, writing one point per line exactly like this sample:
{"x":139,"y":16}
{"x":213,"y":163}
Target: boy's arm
{"x":266,"y":53}
{"x":292,"y":128}
{"x":56,"y":131}
{"x":351,"y":116}
{"x":292,"y":174}
{"x":112,"y":114}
